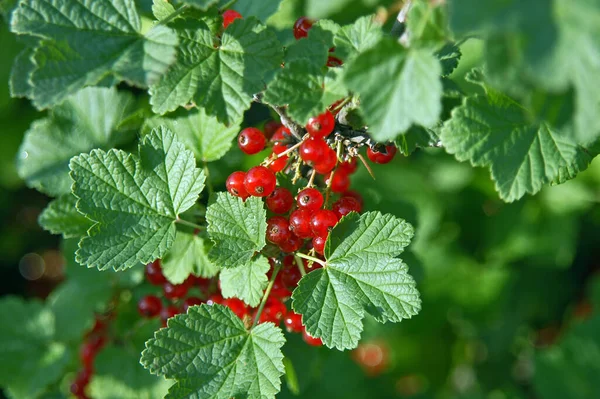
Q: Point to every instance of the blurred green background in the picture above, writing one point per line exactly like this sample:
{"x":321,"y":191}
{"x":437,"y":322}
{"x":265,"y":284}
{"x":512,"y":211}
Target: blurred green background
{"x":510,"y":291}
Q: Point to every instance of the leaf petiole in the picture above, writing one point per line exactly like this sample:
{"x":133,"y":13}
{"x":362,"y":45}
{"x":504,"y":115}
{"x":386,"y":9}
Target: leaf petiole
{"x":266,"y":295}
{"x":311,"y":258}
{"x":190,"y":224}
{"x":300,"y":265}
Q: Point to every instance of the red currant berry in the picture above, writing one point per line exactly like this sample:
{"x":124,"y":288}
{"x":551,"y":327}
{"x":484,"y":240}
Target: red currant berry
{"x":333,"y":62}
{"x":310,"y":198}
{"x":229,"y":16}
{"x":293,"y":322}
{"x":355,"y":195}
{"x":348,"y":167}
{"x":292,"y":244}
{"x":321,"y":126}
{"x":154,"y":273}
{"x":271,"y":127}
{"x":301,"y":27}
{"x":235,"y":185}
{"x":345,"y":205}
{"x":260,"y":181}
{"x":340,"y":182}
{"x":290,"y":277}
{"x":300,"y":223}
{"x":167,"y":312}
{"x":191,"y":301}
{"x":311,"y":340}
{"x":251,"y":140}
{"x":175,"y":291}
{"x":327,"y":162}
{"x":280,"y":200}
{"x":214,"y":298}
{"x":149,"y":306}
{"x":87,"y":354}
{"x":281,"y":135}
{"x":319,"y":244}
{"x":279,"y":164}
{"x":274,"y":310}
{"x":383,"y":156}
{"x":278,"y":230}
{"x":322,"y":222}
{"x":313,"y":150}
{"x":237,"y":306}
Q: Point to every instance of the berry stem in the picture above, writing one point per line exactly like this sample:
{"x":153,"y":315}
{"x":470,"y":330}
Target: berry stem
{"x":284,"y":153}
{"x":311,"y":258}
{"x":173,"y":15}
{"x":266,"y":295}
{"x":312,"y":178}
{"x":300,"y":265}
{"x":190,"y":224}
{"x":209,"y":185}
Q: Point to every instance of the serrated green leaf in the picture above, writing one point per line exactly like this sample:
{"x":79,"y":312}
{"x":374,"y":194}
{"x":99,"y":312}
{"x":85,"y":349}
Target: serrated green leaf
{"x":306,"y":89}
{"x":118,"y":374}
{"x":162,"y":9}
{"x":352,"y":40}
{"x":62,"y":217}
{"x":203,"y":134}
{"x":259,"y":9}
{"x":187,"y":256}
{"x":416,"y":137}
{"x":362,"y":274}
{"x":85,"y":41}
{"x":427,"y":23}
{"x":201,"y":4}
{"x":246,"y":282}
{"x":397,"y":87}
{"x":22,"y":68}
{"x":522,"y":157}
{"x":449,"y":55}
{"x":222,"y":77}
{"x":237,"y":228}
{"x":134,"y":200}
{"x":86,"y":120}
{"x":211,"y":355}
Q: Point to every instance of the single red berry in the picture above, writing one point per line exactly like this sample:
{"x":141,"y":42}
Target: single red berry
{"x":149,"y":306}
{"x":301,"y":27}
{"x":319,"y":244}
{"x":281,"y":135}
{"x":251,"y":140}
{"x":340,"y":181}
{"x":356,"y":195}
{"x":311,"y":340}
{"x":214,"y":298}
{"x":235,"y":184}
{"x":271,"y":127}
{"x":345,"y":205}
{"x":191,"y":301}
{"x":167,"y":312}
{"x":290,"y":277}
{"x":310,"y":198}
{"x":278,"y":230}
{"x":274,"y":310}
{"x":321,"y":126}
{"x":229,"y":16}
{"x":154,"y":273}
{"x":383,"y":155}
{"x":260,"y":181}
{"x":333,"y":62}
{"x":279,"y":164}
{"x":293,"y":322}
{"x":327,"y":162}
{"x":280,"y":200}
{"x":292,"y":244}
{"x":300,"y":223}
{"x":348,"y":167}
{"x":237,"y":306}
{"x":175,"y":291}
{"x":322,"y":222}
{"x":87,"y":354}
{"x":313,"y":150}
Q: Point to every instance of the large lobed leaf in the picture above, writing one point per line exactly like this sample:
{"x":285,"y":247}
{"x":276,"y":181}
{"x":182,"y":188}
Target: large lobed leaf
{"x":134,"y":200}
{"x":362,"y":274}
{"x":246,"y":282}
{"x":210,"y":354}
{"x":188,"y":255}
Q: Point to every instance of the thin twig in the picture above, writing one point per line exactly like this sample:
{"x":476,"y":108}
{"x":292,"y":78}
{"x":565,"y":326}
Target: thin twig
{"x":296,"y":130}
{"x":189,"y":224}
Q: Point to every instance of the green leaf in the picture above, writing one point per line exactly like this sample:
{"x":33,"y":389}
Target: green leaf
{"x":246,"y":282}
{"x":314,"y":48}
{"x":522,"y":156}
{"x":62,"y":217}
{"x":306,"y":89}
{"x":221,"y":77}
{"x":118,"y":374}
{"x":87,"y":41}
{"x":352,"y":40}
{"x":203,"y":134}
{"x":86,"y":120}
{"x":201,"y":4}
{"x":211,"y":355}
{"x":259,"y":9}
{"x":29,"y":358}
{"x":134,"y":200}
{"x":162,"y":9}
{"x":416,"y":137}
{"x":237,"y":228}
{"x":187,"y":256}
{"x":427,"y":23}
{"x":362,"y":274}
{"x":397,"y":87}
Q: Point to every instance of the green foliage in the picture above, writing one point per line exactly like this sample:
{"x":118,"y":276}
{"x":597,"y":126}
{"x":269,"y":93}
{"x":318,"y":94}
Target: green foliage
{"x":62,"y":217}
{"x":210,"y":353}
{"x":246,"y":282}
{"x":188,"y":255}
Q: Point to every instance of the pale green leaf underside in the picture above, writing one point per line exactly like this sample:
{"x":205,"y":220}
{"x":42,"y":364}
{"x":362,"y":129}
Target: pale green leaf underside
{"x":362,"y":276}
{"x":522,"y":157}
{"x":134,"y":200}
{"x":187,"y":256}
{"x":211,"y":355}
{"x":397,"y":87}
{"x":208,"y":138}
{"x":88,"y":40}
{"x":86,"y":120}
{"x":246,"y":282}
{"x":62,"y":217}
{"x":237,"y":228}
